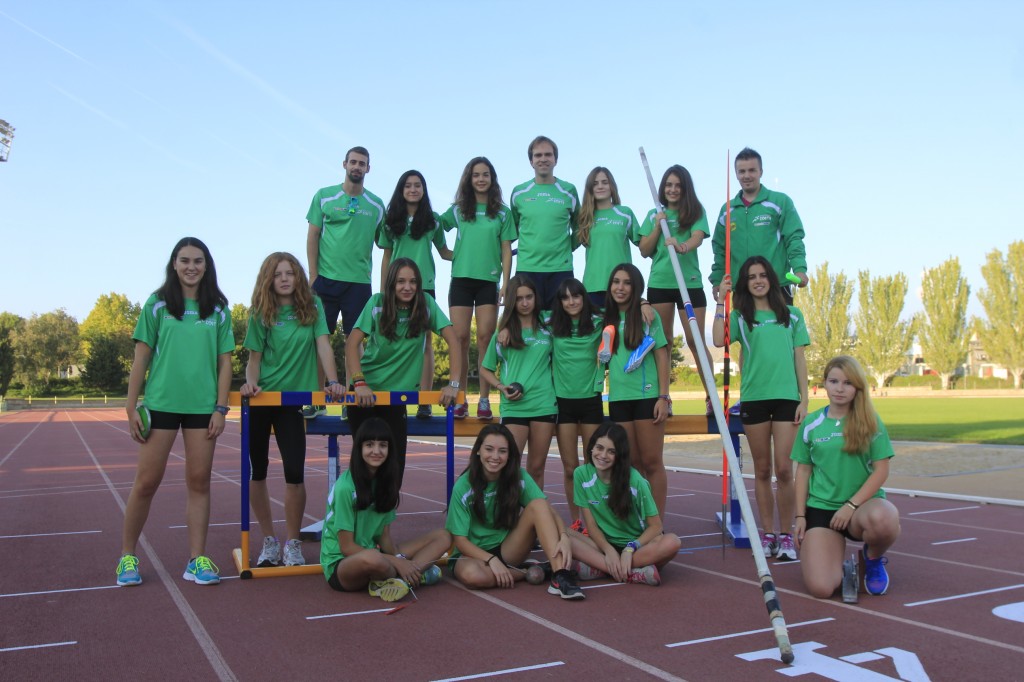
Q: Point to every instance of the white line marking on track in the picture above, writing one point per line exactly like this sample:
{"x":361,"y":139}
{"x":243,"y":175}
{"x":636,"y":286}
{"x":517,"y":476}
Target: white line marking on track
{"x":965,"y":596}
{"x":699,"y":535}
{"x":36,"y":646}
{"x":350,"y":613}
{"x":46,"y":535}
{"x":683,"y":495}
{"x":20,"y":442}
{"x":506,"y":671}
{"x":950,"y":542}
{"x":865,"y":657}
{"x":72,"y":589}
{"x":939,"y":511}
{"x":744,"y":634}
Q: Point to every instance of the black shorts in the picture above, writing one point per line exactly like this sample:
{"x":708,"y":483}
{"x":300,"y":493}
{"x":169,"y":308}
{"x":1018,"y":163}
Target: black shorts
{"x":546,"y":284}
{"x":631,"y":410}
{"x":431,"y":292}
{"x":333,"y":580}
{"x":821,"y":518}
{"x":698,"y":299}
{"x":348,"y":298}
{"x":580,"y":410}
{"x":466,"y":292}
{"x":172,"y":421}
{"x":525,"y":421}
{"x":760,"y":411}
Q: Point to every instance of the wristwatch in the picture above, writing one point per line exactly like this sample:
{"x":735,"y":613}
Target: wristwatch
{"x":632,"y":545}
{"x":223,"y":409}
{"x":454,"y":384}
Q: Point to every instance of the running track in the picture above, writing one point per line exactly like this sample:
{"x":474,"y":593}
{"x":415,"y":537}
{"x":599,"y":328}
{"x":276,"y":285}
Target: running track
{"x":955,"y":610}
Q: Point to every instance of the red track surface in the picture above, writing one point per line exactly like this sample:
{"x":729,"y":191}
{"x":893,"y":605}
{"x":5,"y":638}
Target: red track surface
{"x":64,"y":477}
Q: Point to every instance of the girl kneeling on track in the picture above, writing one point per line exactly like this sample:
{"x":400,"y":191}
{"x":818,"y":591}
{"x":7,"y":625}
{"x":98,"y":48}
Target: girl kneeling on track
{"x":497,"y":512}
{"x":287,"y":332}
{"x":357,"y":549}
{"x":625,"y":532}
{"x":187,"y":320}
{"x":842,"y":457}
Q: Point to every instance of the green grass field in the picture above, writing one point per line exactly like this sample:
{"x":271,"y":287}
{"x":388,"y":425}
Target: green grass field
{"x":999,"y":421}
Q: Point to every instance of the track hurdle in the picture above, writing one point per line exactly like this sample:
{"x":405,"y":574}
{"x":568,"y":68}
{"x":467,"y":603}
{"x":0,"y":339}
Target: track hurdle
{"x":332,"y":427}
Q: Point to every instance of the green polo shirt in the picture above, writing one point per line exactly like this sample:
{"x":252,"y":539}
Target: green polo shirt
{"x":662,"y":274}
{"x":590,"y":492}
{"x":366,"y":525}
{"x":477,"y":251}
{"x":481,"y":532}
{"x":289,"y":349}
{"x":417,"y":250}
{"x":769,"y":368}
{"x":614,"y":229}
{"x":395,"y":365}
{"x":347,"y":231}
{"x":642,"y":382}
{"x":529,"y":366}
{"x":545,"y":216}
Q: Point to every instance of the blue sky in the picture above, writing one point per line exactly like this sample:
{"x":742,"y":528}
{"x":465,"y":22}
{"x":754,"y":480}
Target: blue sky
{"x":895,"y":127}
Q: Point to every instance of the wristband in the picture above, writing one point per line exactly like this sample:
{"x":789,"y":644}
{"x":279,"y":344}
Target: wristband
{"x":631,"y":546}
{"x":357,"y":378}
{"x":719,"y":305}
{"x":719,"y":316}
{"x":799,"y":516}
{"x":488,"y":562}
{"x":331,"y":383}
{"x":223,"y":409}
{"x":852,"y":505}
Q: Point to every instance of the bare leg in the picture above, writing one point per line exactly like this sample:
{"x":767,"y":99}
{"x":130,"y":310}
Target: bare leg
{"x":821,"y":560}
{"x":356,"y":571}
{"x":426,"y":549}
{"x":486,"y":323}
{"x":878,"y":523}
{"x":537,"y":450}
{"x":568,"y":451}
{"x":759,"y":440}
{"x":149,"y":472}
{"x":650,"y":439}
{"x":427,"y":376}
{"x":462,"y":317}
{"x":698,"y":314}
{"x":198,"y":468}
{"x":783,"y":435}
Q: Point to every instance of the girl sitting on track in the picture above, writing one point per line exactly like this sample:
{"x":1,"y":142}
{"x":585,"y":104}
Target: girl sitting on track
{"x":484,"y":233}
{"x":287,"y":332}
{"x":411,"y":228}
{"x":606,"y":229}
{"x":187,"y":319}
{"x":773,"y":388}
{"x":842,"y":457}
{"x":528,"y":406}
{"x":638,"y":392}
{"x":497,"y":513}
{"x":357,"y":549}
{"x":625,"y":532}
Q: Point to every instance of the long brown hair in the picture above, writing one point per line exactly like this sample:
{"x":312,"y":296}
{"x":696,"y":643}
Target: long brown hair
{"x":743,"y":300}
{"x":419,"y":316}
{"x":465,"y":196}
{"x":861,"y":421}
{"x":690,"y":209}
{"x":588,"y":205}
{"x":265,"y":306}
{"x":633,"y":332}
{"x":506,"y":504}
{"x":510,"y":317}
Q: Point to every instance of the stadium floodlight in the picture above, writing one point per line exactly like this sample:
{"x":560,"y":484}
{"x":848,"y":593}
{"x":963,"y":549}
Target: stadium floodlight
{"x":6,"y":135}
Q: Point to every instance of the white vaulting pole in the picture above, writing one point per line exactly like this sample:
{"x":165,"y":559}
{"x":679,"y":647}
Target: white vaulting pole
{"x":771,"y":600}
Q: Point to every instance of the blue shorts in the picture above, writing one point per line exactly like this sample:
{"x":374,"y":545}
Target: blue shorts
{"x":546,"y":284}
{"x":348,"y":298}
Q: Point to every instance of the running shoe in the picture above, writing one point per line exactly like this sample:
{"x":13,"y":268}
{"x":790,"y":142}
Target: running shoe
{"x":483,"y":410}
{"x":202,"y":571}
{"x":424,"y":412}
{"x":770,"y":544}
{"x":736,"y":410}
{"x":563,"y":584}
{"x":578,"y":526}
{"x":389,"y":590}
{"x":787,"y":550}
{"x":128,"y":571}
{"x":461,"y":411}
{"x":313,"y":411}
{"x":636,"y":358}
{"x":586,"y":572}
{"x":293,"y":553}
{"x":645,"y":575}
{"x":876,"y":578}
{"x":604,"y":351}
{"x":431,"y":576}
{"x":271,"y":553}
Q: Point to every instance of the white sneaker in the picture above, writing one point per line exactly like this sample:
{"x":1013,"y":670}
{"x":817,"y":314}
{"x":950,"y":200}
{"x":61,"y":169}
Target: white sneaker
{"x":293,"y":553}
{"x":271,"y":554}
{"x":787,"y":550}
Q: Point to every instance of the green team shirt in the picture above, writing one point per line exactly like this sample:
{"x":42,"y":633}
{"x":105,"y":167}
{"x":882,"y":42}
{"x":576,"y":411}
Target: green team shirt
{"x":590,"y":492}
{"x":643,"y":381}
{"x":769,"y":227}
{"x":347,"y":232}
{"x":545,"y":216}
{"x":531,"y":367}
{"x":662,"y":274}
{"x":289,"y":349}
{"x":481,"y":532}
{"x":769,"y":368}
{"x":613,"y":231}
{"x":183,"y":365}
{"x":477,"y":251}
{"x":577,"y":373}
{"x":366,"y":525}
{"x":836,"y":475}
{"x":418,"y":250}
{"x":395,"y":365}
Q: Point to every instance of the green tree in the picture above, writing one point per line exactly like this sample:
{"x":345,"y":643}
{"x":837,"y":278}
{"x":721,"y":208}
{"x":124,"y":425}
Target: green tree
{"x":105,"y":367}
{"x":111,"y":314}
{"x":825,"y":303}
{"x":1002,"y":332}
{"x":239,"y":325}
{"x":10,"y":326}
{"x":46,"y":345}
{"x":442,"y":361}
{"x":943,"y":326}
{"x":882,"y":338}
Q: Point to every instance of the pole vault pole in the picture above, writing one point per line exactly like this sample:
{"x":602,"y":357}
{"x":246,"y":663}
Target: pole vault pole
{"x":726,"y":357}
{"x":771,"y":600}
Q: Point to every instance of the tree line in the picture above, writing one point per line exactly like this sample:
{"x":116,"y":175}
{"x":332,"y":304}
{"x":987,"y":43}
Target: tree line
{"x":36,"y":350}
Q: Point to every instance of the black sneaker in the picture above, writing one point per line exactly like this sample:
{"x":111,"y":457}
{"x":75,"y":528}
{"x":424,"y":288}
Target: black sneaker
{"x":564,"y":585}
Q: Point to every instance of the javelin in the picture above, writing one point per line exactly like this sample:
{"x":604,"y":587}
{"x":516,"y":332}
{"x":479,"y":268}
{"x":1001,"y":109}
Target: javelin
{"x":771,"y":600}
{"x":726,"y":358}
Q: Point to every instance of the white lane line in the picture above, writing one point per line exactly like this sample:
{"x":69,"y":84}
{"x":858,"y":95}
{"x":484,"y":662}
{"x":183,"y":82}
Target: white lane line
{"x":965,"y":596}
{"x":950,"y":542}
{"x":350,"y":613}
{"x":20,"y":442}
{"x":744,"y":634}
{"x":683,"y":495}
{"x":939,"y":511}
{"x":71,"y":589}
{"x":36,"y":646}
{"x":699,"y":535}
{"x":506,"y":671}
{"x":46,"y":535}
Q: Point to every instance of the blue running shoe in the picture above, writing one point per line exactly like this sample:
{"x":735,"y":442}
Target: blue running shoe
{"x":128,"y":571}
{"x":876,"y":578}
{"x":431,"y":576}
{"x":202,"y":571}
{"x":636,"y":358}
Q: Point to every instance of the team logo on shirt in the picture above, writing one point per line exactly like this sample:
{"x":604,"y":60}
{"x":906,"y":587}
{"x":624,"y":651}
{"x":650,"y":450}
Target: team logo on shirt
{"x":762,"y":221}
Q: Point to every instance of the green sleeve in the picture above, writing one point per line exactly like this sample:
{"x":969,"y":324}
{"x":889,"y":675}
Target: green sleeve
{"x":147,"y":328}
{"x":634,"y":226}
{"x":225,"y":335}
{"x":801,"y":453}
{"x":438,"y":239}
{"x":701,"y":225}
{"x":490,"y":360}
{"x":384,"y":238}
{"x":718,"y":248}
{"x":438,"y":320}
{"x":793,"y":236}
{"x":508,"y":227}
{"x":800,"y":335}
{"x":320,"y":326}
{"x":648,"y":225}
{"x":256,"y":334}
{"x":645,"y":498}
{"x":365,"y":322}
{"x":315,"y":216}
{"x":459,"y":521}
{"x":448,"y":222}
{"x":530,"y":490}
{"x":881,"y":446}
